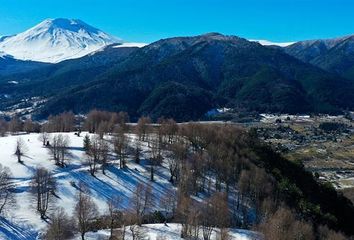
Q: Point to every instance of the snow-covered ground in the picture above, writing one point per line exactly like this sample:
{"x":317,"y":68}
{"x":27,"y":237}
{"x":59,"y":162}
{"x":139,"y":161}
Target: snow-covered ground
{"x":171,"y":231}
{"x":23,"y":222}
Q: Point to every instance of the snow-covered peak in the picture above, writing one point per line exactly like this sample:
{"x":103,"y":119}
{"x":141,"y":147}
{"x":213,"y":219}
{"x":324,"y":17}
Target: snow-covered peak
{"x":55,"y":40}
{"x":269,"y":43}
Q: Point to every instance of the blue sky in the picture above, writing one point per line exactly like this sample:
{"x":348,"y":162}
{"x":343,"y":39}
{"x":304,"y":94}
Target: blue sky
{"x":147,"y":21}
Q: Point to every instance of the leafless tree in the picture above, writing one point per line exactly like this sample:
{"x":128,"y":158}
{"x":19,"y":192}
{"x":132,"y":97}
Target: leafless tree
{"x":114,"y":214}
{"x":43,"y":186}
{"x":137,"y":150}
{"x":20,"y":149}
{"x":169,"y":129}
{"x":284,"y":225}
{"x":104,"y":150}
{"x":179,"y":155}
{"x":98,"y":153}
{"x":59,"y":149}
{"x":324,"y":233}
{"x":120,"y":143}
{"x":103,"y":128}
{"x":142,"y":127}
{"x":64,"y":122}
{"x":221,"y":213}
{"x":28,"y":126}
{"x":15,"y":125}
{"x":169,"y":202}
{"x":183,"y":213}
{"x":6,"y":195}
{"x":93,"y":156}
{"x":95,"y":117}
{"x":3,"y":127}
{"x":85,"y":211}
{"x":61,"y":226}
{"x":44,"y":137}
{"x":141,"y":201}
{"x":155,"y":154}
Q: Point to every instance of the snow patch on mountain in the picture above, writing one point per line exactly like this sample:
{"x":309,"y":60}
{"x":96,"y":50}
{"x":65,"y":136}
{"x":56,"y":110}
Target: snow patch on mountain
{"x":55,"y":40}
{"x":269,"y":43}
{"x":132,"y":44}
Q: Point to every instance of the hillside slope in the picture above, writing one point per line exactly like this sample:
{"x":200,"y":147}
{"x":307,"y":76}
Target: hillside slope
{"x":333,"y":55}
{"x":228,"y":70}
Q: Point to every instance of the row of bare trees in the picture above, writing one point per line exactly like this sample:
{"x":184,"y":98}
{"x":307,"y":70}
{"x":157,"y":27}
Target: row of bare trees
{"x":85,"y":216}
{"x":16,"y":125}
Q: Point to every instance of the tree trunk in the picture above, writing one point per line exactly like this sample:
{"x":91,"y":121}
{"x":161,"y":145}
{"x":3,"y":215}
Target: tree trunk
{"x":152,"y":173}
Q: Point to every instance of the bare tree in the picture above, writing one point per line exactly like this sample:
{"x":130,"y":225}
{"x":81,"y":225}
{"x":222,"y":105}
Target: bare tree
{"x":120,"y":143}
{"x":179,"y":155}
{"x":155,"y":154}
{"x":63,"y":122}
{"x":3,"y":127}
{"x":114,"y":214}
{"x":103,"y":128}
{"x":6,"y":195}
{"x":63,"y":150}
{"x":324,"y":233}
{"x":220,"y":213}
{"x":169,"y":129}
{"x":85,"y":211}
{"x":43,"y":186}
{"x":104,"y":150}
{"x":93,"y":154}
{"x":283,"y":225}
{"x":59,"y":149}
{"x":183,"y":213}
{"x":169,"y":202}
{"x":28,"y":126}
{"x":44,"y":137}
{"x":20,"y":149}
{"x":142,"y":201}
{"x":61,"y":226}
{"x":137,"y":150}
{"x":142,"y":127}
{"x":15,"y":125}
{"x":98,"y":153}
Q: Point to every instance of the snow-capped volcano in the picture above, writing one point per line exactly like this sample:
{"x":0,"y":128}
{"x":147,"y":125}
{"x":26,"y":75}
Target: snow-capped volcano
{"x":55,"y":40}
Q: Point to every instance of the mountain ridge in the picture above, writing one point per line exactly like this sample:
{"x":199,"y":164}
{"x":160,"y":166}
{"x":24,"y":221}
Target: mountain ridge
{"x":333,"y":55}
{"x":228,"y":70}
